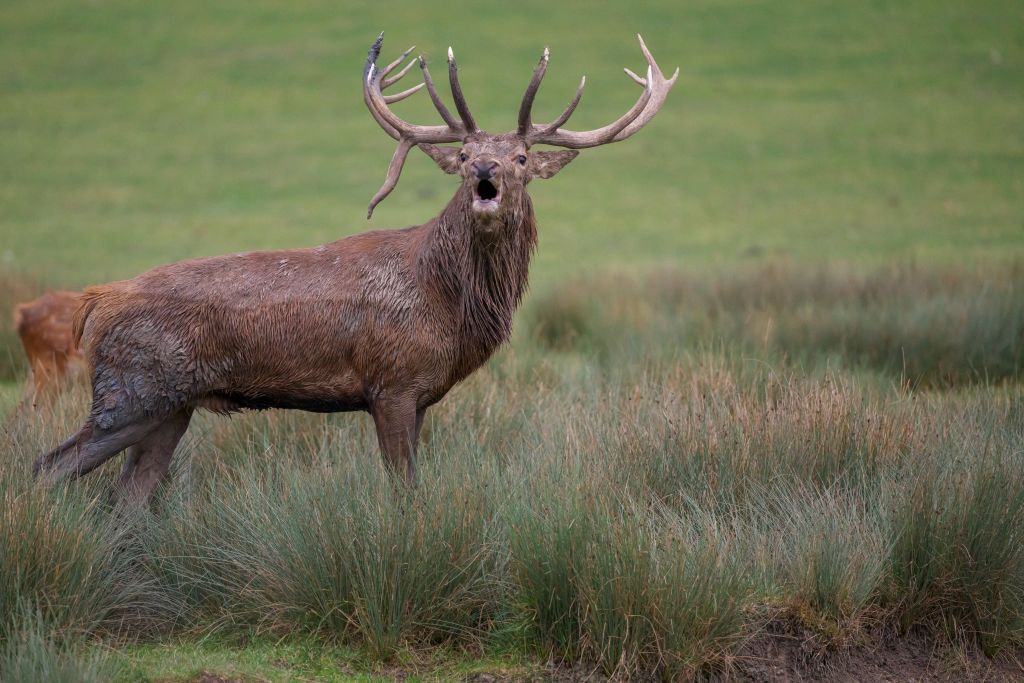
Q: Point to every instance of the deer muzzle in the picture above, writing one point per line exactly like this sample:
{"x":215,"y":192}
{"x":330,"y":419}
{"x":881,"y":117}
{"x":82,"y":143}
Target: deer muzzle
{"x":486,"y":196}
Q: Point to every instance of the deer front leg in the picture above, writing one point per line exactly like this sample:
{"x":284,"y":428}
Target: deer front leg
{"x":398,"y":421}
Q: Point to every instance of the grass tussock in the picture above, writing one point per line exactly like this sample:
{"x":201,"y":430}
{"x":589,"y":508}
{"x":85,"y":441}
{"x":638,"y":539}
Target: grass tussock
{"x":332,"y":550}
{"x":957,"y":555}
{"x":633,"y":517}
{"x":65,"y":558}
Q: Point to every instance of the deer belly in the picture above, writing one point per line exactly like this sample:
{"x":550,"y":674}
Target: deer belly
{"x":332,"y":394}
{"x":233,"y":401}
{"x":301,"y":379}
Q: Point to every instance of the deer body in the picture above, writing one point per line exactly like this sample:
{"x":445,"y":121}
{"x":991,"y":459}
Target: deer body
{"x":44,"y":328}
{"x":385,"y":322}
{"x":343,"y":326}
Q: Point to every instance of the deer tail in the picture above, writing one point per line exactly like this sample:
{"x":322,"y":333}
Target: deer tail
{"x":89,"y":298}
{"x":19,"y":318}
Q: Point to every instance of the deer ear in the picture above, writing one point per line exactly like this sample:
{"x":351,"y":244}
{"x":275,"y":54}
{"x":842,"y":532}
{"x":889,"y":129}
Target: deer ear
{"x":547,"y":164}
{"x":447,"y":158}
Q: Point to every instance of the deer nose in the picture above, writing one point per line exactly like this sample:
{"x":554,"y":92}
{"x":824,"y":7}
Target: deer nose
{"x":485,"y":170}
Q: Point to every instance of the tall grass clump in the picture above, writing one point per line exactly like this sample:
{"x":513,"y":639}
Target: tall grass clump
{"x":70,"y":562}
{"x":730,"y":430}
{"x":703,"y":591}
{"x":958,"y":555}
{"x":334,"y":548}
{"x":826,"y":554}
{"x":924,"y":326}
{"x":34,"y":652}
{"x":600,"y":576}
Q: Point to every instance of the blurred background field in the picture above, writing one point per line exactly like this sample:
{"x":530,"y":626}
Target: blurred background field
{"x":790,"y":309}
{"x":140,"y":133}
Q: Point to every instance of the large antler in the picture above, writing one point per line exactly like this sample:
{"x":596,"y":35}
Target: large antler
{"x":375,"y":81}
{"x":655,"y":86}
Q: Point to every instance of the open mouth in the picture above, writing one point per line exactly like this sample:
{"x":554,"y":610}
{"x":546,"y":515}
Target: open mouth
{"x":486,"y":192}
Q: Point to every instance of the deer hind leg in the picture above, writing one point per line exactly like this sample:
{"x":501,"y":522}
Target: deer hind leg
{"x":397,"y":422}
{"x":89,"y":448}
{"x":149,"y":460}
{"x":116,"y":422}
{"x":417,"y":435}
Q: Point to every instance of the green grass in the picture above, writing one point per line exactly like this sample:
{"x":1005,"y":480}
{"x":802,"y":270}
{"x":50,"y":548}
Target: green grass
{"x":267,"y":661}
{"x":136,"y":134}
{"x":922,"y":326}
{"x":9,"y":396}
{"x":769,"y":370}
{"x":296,"y":659}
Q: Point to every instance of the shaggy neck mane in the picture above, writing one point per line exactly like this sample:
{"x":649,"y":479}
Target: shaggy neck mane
{"x":482,"y":267}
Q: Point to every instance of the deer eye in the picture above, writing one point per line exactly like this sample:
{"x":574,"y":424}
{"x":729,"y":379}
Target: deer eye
{"x":462,"y":156}
{"x":522,"y":159}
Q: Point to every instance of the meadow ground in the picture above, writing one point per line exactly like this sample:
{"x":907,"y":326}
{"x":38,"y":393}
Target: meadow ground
{"x":765,"y":389}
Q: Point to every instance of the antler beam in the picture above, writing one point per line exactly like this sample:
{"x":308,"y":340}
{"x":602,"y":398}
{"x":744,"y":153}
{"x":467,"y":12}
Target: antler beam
{"x":526,"y":107}
{"x":460,"y":100}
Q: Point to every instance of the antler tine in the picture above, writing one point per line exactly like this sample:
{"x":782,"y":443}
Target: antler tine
{"x":406,"y":133}
{"x":435,"y":98}
{"x":387,"y":119}
{"x":643,"y":48}
{"x":526,"y":107}
{"x":368,"y":78}
{"x":398,"y":97}
{"x":656,"y":88}
{"x":460,"y":100}
{"x":636,"y":79}
{"x":560,"y":121}
{"x":391,"y":80}
{"x":661,"y":87}
{"x":393,"y":65}
{"x":394,"y":171}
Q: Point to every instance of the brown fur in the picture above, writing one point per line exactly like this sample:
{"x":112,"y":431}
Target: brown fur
{"x":385,"y":322}
{"x":44,"y":326}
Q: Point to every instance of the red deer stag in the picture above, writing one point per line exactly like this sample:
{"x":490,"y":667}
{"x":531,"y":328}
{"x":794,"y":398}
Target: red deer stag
{"x":385,"y":322}
{"x":44,"y":327}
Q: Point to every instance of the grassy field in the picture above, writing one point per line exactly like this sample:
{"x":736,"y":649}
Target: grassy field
{"x":766,"y":387}
{"x":636,"y":492}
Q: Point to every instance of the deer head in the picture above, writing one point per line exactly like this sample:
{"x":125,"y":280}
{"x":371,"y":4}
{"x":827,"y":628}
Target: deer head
{"x":495,"y":169}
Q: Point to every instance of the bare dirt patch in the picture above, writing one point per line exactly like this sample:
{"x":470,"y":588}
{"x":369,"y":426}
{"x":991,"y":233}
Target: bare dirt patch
{"x":784,"y":653}
{"x":207,"y":677}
